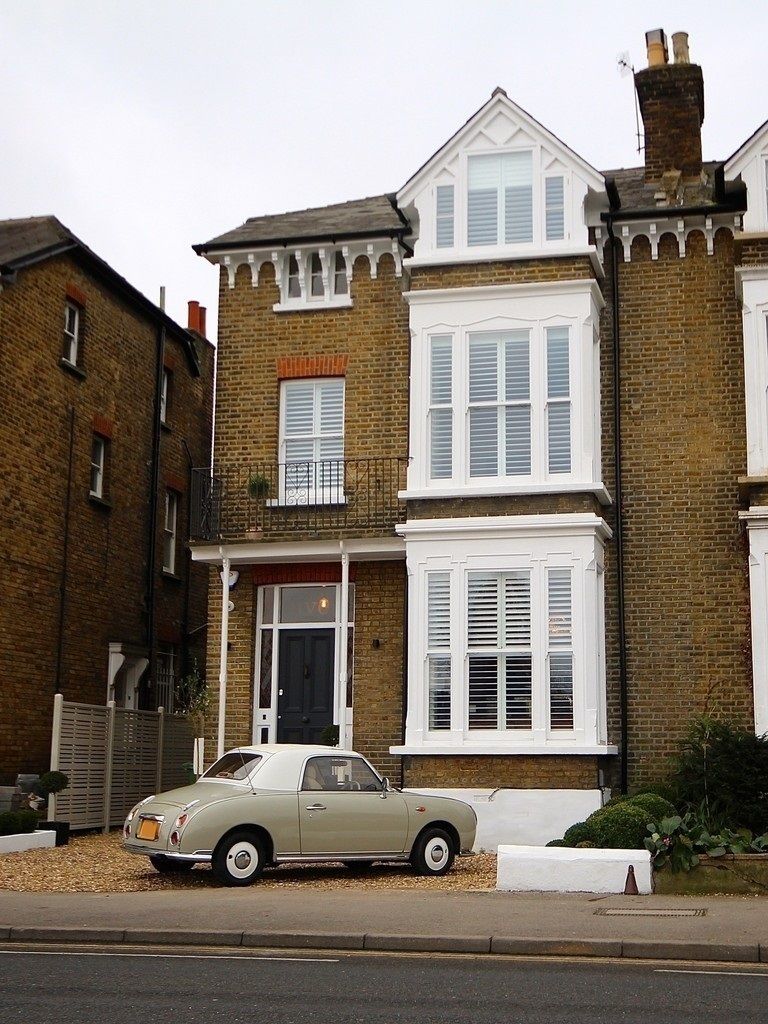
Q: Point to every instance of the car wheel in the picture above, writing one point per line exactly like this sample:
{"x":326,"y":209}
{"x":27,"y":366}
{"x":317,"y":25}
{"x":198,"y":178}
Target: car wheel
{"x":432,"y":852}
{"x":169,"y":866}
{"x":358,"y":867}
{"x":239,"y":859}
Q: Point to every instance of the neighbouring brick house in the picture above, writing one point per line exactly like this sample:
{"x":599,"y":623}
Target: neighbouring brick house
{"x":484,"y":459}
{"x":106,"y":404}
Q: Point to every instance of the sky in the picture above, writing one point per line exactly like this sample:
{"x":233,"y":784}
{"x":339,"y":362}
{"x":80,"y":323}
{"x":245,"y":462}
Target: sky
{"x":149,"y":125}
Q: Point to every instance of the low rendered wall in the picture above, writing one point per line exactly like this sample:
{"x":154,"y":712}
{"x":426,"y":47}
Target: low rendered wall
{"x":26,"y":841}
{"x":559,"y":869}
{"x":523,"y":816}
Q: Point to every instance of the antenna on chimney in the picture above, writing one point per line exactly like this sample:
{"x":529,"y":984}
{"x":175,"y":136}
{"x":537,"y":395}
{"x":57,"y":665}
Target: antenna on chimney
{"x":627,"y":68}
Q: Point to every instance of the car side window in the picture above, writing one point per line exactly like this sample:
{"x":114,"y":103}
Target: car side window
{"x":339,"y":775}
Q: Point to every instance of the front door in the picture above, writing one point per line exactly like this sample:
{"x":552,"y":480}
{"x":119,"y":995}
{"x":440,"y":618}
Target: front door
{"x":304,"y":684}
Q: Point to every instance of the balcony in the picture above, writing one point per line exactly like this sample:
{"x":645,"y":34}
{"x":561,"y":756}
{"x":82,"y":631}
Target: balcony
{"x":298,"y":500}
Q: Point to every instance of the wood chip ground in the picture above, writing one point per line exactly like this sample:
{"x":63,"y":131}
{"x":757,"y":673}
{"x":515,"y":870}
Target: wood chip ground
{"x":97,"y":863}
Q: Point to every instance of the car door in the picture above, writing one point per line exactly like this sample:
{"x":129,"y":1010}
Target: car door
{"x":342,"y":809}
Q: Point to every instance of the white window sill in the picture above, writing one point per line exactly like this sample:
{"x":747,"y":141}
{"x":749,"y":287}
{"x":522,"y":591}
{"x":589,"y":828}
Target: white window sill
{"x":446,"y":490}
{"x":309,"y":499}
{"x":497,"y":750}
{"x":310,"y":305}
{"x":487,"y":253}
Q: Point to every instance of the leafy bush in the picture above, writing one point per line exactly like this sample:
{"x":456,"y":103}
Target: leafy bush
{"x":578,"y":833}
{"x":619,"y":827}
{"x":680,"y":842}
{"x":663,"y":789}
{"x":556,"y":842}
{"x":14,"y":822}
{"x":656,"y":807}
{"x":723,"y":769}
{"x":51,"y":782}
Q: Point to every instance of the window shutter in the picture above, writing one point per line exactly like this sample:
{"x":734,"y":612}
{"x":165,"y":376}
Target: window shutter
{"x":330,"y":443}
{"x":483,"y":610}
{"x":299,"y":421}
{"x":517,"y":388}
{"x":483,"y":200}
{"x":558,"y":401}
{"x":554,"y":208}
{"x":441,"y":412}
{"x":444,"y":215}
{"x":483,"y":420}
{"x":518,"y":669}
{"x":483,"y":631}
{"x":439,"y":640}
{"x":560,"y":648}
{"x":517,"y":180}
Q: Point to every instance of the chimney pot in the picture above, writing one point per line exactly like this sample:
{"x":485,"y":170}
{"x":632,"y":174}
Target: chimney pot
{"x":656,"y":45}
{"x":193,"y":316}
{"x":202,"y":321}
{"x":680,"y":48}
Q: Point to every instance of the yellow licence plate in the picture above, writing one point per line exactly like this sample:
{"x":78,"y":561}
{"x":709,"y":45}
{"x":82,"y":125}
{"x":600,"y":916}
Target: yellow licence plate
{"x":148,"y":829}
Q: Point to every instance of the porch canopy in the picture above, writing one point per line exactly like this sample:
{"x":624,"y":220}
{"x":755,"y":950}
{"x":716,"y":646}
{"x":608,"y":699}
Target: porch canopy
{"x":229,"y":556}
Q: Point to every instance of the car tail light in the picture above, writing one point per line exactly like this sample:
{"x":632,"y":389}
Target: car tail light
{"x":174,"y":838}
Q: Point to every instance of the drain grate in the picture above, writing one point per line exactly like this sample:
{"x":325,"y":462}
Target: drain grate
{"x":649,"y":912}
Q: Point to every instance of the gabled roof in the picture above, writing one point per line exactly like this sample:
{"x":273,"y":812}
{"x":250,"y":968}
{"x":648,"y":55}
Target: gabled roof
{"x":360,"y":218}
{"x":29,"y":240}
{"x":499,"y":99}
{"x":744,"y":149}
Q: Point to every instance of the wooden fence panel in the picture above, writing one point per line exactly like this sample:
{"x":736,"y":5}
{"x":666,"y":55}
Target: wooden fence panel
{"x":178,"y":750}
{"x":134,"y":761}
{"x":82,"y":756}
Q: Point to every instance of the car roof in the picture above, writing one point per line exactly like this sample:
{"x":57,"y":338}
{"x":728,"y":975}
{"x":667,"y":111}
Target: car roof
{"x":305,"y":749}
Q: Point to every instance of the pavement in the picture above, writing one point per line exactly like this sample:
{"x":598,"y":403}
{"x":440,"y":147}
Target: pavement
{"x":716,"y":928}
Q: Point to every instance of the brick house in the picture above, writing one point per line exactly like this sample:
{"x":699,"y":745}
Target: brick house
{"x":484,"y":460}
{"x":107,"y":402}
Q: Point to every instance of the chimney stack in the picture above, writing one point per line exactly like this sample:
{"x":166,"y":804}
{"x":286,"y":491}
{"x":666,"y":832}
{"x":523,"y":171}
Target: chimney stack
{"x":196,"y":317}
{"x":671,"y":100}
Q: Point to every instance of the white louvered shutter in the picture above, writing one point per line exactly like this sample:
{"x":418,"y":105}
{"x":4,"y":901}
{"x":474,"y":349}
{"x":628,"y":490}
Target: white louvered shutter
{"x":483,"y":632}
{"x":554,"y":207}
{"x":444,"y":216}
{"x":558,"y":401}
{"x":440,"y":407}
{"x":330,"y":442}
{"x":313,"y":428}
{"x":518,"y":660}
{"x":438,"y":650}
{"x":517,"y":183}
{"x":560,"y":654}
{"x":299,"y":430}
{"x":517,"y":393}
{"x":483,"y":200}
{"x":484,"y":410}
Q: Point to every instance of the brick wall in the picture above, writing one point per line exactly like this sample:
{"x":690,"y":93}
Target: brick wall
{"x":518,"y":772}
{"x":106,"y":579}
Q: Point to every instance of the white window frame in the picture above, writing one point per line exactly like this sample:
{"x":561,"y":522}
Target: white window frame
{"x":334,"y":262}
{"x":464,"y":312}
{"x":170,"y":530}
{"x":501,"y":216}
{"x":71,"y":351}
{"x":98,"y":466}
{"x":165,"y":394}
{"x":752,"y":283}
{"x":330,"y":494}
{"x":501,"y":545}
{"x":756,"y":519}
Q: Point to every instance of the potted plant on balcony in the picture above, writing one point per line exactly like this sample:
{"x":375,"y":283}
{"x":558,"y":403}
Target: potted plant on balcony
{"x":258,"y":489}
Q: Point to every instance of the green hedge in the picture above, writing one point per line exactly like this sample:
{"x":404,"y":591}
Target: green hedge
{"x":14,"y":822}
{"x":622,"y":824}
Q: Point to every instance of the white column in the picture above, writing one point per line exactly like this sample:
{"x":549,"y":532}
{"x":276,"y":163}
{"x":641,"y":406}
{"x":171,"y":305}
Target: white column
{"x":223,"y":655}
{"x":757,"y":526}
{"x":343,"y":641}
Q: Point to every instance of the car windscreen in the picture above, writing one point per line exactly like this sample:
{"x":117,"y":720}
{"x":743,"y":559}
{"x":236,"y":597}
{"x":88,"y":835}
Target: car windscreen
{"x":236,"y":765}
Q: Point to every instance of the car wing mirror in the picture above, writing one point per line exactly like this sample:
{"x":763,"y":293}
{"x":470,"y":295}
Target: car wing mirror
{"x":384,"y":788}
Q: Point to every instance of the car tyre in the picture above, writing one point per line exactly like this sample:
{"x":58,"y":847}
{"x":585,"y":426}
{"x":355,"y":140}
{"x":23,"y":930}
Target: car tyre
{"x":239,"y":859}
{"x":169,"y":866}
{"x":433,"y":852}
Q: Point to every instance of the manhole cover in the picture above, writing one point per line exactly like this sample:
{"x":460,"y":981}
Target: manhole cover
{"x":649,"y":912}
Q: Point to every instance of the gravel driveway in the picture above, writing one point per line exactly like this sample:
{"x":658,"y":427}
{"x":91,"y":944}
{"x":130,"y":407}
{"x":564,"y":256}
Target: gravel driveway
{"x":97,"y":863}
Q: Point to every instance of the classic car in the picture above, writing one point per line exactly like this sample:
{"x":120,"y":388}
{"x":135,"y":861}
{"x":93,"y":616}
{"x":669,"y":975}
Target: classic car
{"x":277,"y":803}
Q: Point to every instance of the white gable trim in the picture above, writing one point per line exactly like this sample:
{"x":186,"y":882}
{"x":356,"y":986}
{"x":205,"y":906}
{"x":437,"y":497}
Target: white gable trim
{"x":500,"y":101}
{"x":756,"y":143}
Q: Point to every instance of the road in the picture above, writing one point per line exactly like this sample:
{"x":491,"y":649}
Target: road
{"x":118,"y":987}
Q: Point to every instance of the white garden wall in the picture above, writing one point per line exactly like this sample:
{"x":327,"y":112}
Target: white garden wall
{"x":27,"y":841}
{"x":557,"y":869}
{"x":523,"y":816}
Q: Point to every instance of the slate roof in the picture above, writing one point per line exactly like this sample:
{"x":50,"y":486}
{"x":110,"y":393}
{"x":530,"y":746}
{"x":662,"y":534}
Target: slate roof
{"x":636,"y":195}
{"x":30,"y":240}
{"x":360,"y":218}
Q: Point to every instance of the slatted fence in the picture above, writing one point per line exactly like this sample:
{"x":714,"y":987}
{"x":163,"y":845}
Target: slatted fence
{"x":113,"y":757}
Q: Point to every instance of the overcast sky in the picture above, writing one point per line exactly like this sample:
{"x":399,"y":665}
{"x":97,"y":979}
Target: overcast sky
{"x":148,"y":125}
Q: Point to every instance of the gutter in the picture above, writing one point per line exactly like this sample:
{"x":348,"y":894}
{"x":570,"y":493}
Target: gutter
{"x":65,"y":555}
{"x":619,"y":525}
{"x":264,"y":243}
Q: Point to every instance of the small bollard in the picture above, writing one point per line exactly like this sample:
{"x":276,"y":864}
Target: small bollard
{"x":630,"y":886}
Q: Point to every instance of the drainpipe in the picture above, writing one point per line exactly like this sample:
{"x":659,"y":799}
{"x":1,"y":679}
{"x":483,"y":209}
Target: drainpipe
{"x":619,"y":534}
{"x":185,"y":634}
{"x":65,"y":555}
{"x":154,"y":489}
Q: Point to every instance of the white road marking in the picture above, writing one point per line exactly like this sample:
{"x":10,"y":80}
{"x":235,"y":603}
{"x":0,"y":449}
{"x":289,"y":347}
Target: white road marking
{"x":170,"y":956}
{"x":731,"y":974}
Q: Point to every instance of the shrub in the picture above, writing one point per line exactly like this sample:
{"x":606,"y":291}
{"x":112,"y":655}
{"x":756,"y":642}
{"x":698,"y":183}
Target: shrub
{"x":724,"y":769}
{"x":51,"y":782}
{"x":619,"y":827}
{"x":656,"y":807}
{"x":14,"y":822}
{"x":556,"y":842}
{"x":578,"y":833}
{"x":663,"y":789}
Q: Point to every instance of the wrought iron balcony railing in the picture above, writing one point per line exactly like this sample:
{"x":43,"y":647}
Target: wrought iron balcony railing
{"x":297,"y":498}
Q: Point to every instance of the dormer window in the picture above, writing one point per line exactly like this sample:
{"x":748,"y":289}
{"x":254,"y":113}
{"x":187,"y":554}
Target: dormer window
{"x":340,"y":274}
{"x":500,"y":199}
{"x":294,"y":283}
{"x":316,"y":289}
{"x":444,"y":216}
{"x":554,"y":203}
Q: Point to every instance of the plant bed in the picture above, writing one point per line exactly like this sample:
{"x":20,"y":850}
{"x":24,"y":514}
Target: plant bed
{"x":731,"y":874}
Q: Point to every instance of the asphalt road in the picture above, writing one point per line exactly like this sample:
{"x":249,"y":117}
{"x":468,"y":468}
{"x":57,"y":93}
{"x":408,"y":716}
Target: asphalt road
{"x":339,"y":989}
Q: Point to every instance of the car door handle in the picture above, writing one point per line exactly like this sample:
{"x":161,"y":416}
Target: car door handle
{"x":316,"y":807}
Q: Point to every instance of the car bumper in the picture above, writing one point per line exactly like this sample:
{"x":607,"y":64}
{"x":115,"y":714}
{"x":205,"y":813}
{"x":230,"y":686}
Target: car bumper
{"x":199,"y":857}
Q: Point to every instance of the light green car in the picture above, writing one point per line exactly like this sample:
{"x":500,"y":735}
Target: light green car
{"x":278,"y":803}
